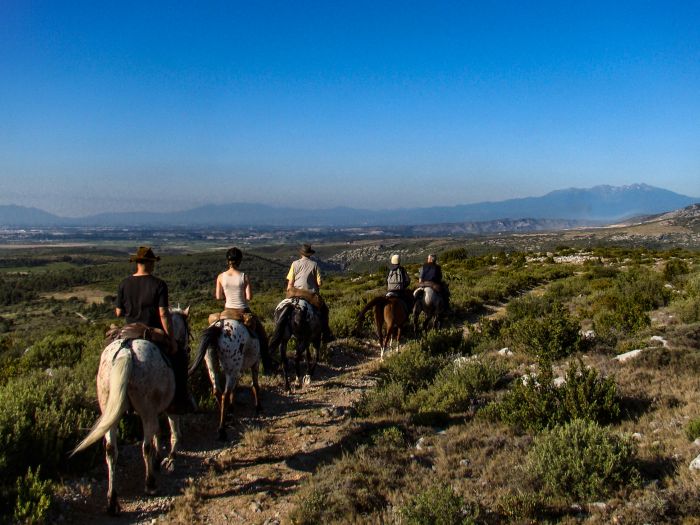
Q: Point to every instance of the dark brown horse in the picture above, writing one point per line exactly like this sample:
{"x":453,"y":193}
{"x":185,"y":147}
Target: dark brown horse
{"x":390,"y":315}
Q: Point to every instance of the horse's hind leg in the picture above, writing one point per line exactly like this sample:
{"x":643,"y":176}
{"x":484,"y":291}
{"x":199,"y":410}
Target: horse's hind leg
{"x":254,"y":371}
{"x":111,"y":454}
{"x":311,"y":362}
{"x":150,"y":428}
{"x":168,"y":463}
{"x":285,"y":365}
{"x":297,"y":363}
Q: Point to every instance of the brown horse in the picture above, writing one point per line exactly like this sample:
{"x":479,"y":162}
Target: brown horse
{"x":390,"y":316}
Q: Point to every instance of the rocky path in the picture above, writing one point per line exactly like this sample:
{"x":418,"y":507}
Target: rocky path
{"x":252,"y":477}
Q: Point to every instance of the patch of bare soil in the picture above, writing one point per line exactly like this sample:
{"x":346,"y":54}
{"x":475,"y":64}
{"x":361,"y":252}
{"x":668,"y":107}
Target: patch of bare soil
{"x":252,"y":477}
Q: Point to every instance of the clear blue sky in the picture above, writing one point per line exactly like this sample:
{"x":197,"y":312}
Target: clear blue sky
{"x":111,"y":106}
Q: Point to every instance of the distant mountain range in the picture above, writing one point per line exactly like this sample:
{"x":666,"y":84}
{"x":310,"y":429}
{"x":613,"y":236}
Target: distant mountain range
{"x":597,"y":205}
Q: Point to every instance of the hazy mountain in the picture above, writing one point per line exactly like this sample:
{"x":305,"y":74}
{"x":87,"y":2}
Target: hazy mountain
{"x":22,"y":216}
{"x":593,"y":205}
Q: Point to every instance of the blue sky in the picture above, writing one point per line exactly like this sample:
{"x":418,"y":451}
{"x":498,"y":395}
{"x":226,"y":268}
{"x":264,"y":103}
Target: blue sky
{"x":114,"y":106}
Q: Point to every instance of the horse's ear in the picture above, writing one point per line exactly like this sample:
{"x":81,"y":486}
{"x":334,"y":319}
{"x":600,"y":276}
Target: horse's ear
{"x":186,"y":311}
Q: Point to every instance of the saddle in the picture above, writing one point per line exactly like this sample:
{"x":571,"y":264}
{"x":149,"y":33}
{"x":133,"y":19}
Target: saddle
{"x":437,"y":288}
{"x":310,"y":297}
{"x":236,"y":314}
{"x":140,"y":331}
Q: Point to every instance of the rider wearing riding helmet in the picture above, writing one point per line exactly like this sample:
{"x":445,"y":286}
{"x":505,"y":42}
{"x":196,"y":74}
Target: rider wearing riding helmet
{"x":143,"y":298}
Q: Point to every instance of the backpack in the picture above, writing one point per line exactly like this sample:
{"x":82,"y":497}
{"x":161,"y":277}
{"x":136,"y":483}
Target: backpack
{"x":395,"y":280}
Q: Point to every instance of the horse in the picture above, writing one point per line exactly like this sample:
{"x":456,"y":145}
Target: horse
{"x":296,"y":317}
{"x":134,"y":372}
{"x":432,"y":304}
{"x":235,"y":350}
{"x":390,"y":315}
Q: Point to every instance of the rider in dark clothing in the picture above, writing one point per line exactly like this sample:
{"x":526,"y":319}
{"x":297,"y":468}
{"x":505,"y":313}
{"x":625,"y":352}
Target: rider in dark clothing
{"x":143,"y":298}
{"x":431,"y":275}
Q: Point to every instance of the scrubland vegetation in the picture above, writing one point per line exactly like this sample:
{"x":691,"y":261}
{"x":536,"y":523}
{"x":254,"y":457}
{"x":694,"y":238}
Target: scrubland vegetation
{"x":516,"y":412}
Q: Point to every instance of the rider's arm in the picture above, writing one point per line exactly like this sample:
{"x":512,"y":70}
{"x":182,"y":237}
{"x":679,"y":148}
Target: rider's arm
{"x":290,"y":278}
{"x":248,"y":288}
{"x":165,"y":319}
{"x":219,"y":289}
{"x":118,"y":312}
{"x":318,"y":277}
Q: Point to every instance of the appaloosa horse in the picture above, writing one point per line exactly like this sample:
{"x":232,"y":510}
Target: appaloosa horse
{"x":229,"y":347}
{"x":432,"y":304}
{"x":297,"y":318}
{"x":390,"y":315}
{"x":134,"y":372}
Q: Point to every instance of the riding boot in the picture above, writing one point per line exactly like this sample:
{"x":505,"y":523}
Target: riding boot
{"x":326,"y":336}
{"x":183,"y":402}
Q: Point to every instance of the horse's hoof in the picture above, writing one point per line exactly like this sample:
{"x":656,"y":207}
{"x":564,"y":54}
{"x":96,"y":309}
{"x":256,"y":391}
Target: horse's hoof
{"x":307,"y":379}
{"x":298,"y":383}
{"x":113,"y":507}
{"x":168,"y":465}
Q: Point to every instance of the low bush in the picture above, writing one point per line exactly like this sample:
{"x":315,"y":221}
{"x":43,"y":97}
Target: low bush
{"x":536,"y":404}
{"x":582,"y":461}
{"x":456,"y":386}
{"x":412,"y":367}
{"x":34,"y":498}
{"x":549,"y":336}
{"x":445,"y":341}
{"x":53,"y":351}
{"x":438,"y":505}
{"x":386,"y":399}
{"x":692,"y":429}
{"x":675,"y":268}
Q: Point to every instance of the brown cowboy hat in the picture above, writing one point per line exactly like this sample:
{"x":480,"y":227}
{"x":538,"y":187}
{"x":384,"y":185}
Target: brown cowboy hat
{"x":143,"y":254}
{"x":306,"y":250}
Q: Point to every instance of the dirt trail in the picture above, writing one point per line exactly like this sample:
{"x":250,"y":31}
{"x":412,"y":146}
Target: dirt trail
{"x":252,"y":477}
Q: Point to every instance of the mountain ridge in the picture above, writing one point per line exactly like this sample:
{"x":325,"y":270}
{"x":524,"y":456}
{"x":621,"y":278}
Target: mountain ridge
{"x":599,"y":204}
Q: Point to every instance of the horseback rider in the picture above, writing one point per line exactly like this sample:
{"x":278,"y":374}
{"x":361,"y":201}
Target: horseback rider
{"x":143,"y":298}
{"x":234,"y":287}
{"x":431,"y":276}
{"x":304,"y":280}
{"x":397,"y":281}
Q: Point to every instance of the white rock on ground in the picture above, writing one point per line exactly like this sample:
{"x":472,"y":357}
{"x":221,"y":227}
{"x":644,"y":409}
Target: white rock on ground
{"x":695,"y":464}
{"x":505,"y":351}
{"x":559,"y":381}
{"x":660,"y":339}
{"x":628,"y":355}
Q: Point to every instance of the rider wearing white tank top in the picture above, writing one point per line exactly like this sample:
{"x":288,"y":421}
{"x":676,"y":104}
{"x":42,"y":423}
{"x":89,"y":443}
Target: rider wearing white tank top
{"x":234,"y":287}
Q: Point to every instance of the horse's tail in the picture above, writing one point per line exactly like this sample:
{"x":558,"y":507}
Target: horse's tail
{"x":280,"y":323}
{"x":210,"y":337}
{"x":117,"y":402}
{"x":381,"y":301}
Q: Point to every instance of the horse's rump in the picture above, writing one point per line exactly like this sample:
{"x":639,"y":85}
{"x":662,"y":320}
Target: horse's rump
{"x":310,"y":297}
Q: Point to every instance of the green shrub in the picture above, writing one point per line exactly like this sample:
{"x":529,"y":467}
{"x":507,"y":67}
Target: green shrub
{"x":674,"y":268}
{"x":437,"y":505}
{"x":412,"y":367}
{"x":455,"y":387}
{"x":549,"y":336}
{"x":41,"y":418}
{"x":386,"y":399}
{"x":53,"y":351}
{"x":34,"y":498}
{"x":586,"y":395}
{"x":537,"y":404}
{"x":445,"y":341}
{"x":582,"y":461}
{"x":692,"y":429}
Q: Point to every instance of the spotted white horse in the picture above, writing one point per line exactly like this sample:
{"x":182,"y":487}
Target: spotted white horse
{"x":134,"y":372}
{"x":228,"y":346}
